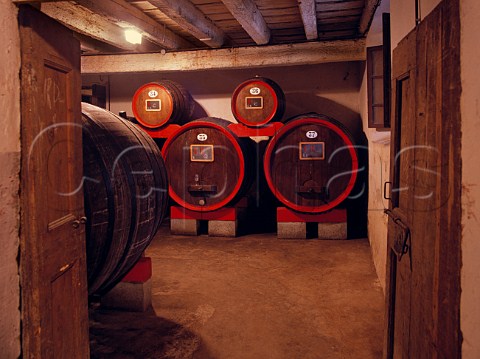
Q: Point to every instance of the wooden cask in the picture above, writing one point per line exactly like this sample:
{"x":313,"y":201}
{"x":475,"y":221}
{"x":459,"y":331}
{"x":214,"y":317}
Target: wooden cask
{"x":258,"y":101}
{"x":311,"y":164}
{"x":125,"y":184}
{"x":156,"y":104}
{"x":209,"y":167}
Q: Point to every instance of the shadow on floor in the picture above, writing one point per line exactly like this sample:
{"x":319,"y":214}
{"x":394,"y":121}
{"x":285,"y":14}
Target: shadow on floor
{"x":132,"y":335}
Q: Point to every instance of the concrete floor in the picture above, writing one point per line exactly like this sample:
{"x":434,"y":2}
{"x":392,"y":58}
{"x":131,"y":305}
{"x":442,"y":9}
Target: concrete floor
{"x":251,"y":297}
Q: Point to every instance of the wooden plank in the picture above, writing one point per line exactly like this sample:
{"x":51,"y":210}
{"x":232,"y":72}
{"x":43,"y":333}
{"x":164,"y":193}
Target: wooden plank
{"x":449,"y":335}
{"x":243,"y":57}
{"x":88,"y":23}
{"x":248,"y":15}
{"x":125,"y":15}
{"x":367,"y":16}
{"x":309,"y":18}
{"x":333,"y":6}
{"x":193,"y":20}
{"x":52,"y":250}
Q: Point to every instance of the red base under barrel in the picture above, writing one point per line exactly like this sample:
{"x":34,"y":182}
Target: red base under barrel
{"x":222,"y":214}
{"x":141,"y":272}
{"x":334,"y":216}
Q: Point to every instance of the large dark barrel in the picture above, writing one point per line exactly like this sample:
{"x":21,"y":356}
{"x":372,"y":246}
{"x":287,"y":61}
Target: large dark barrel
{"x":125,"y":191}
{"x":311,"y":164}
{"x":156,"y":104}
{"x":208,"y":165}
{"x":257,"y":101}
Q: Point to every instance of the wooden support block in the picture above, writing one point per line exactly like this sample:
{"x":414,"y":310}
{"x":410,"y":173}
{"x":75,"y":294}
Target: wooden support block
{"x":222,"y":228}
{"x":332,"y":230}
{"x":136,"y":297}
{"x":292,"y":230}
{"x":184,"y":226}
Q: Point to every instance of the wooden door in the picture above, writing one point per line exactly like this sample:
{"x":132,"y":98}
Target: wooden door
{"x":423,"y":262}
{"x":53,"y":275}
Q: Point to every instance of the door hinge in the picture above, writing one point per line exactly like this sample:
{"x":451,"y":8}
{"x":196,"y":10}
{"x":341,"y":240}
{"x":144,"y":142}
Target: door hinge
{"x":400,"y":244}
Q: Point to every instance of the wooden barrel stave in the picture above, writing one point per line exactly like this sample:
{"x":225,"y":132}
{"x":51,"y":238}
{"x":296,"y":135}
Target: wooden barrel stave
{"x":123,"y":167}
{"x":207,"y":185}
{"x":157,"y":104}
{"x":311,"y":164}
{"x":258,"y":101}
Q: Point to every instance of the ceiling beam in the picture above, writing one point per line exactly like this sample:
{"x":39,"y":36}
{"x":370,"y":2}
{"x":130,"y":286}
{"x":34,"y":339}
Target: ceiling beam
{"x":92,"y":46}
{"x":236,"y":58}
{"x":309,"y":17}
{"x":185,"y":14}
{"x":367,"y":16}
{"x":126,"y":15}
{"x":87,"y":23}
{"x":248,"y":15}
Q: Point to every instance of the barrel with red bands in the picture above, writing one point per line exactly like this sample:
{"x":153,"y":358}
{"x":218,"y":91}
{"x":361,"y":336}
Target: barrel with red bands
{"x":156,"y":104}
{"x":207,"y":164}
{"x":311,"y":164}
{"x":258,"y":101}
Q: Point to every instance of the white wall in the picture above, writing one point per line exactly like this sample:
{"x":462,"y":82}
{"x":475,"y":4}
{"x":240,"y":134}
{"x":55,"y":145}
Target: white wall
{"x":470,"y":114}
{"x":403,"y":16}
{"x":378,"y":160}
{"x":9,"y":181}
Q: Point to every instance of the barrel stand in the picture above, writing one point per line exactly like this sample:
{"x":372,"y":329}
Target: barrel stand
{"x":221,"y":223}
{"x":293,"y":225}
{"x":134,"y":292}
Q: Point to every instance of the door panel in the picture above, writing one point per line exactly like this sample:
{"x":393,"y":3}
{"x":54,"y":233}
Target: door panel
{"x":53,"y":269}
{"x":425,"y":166}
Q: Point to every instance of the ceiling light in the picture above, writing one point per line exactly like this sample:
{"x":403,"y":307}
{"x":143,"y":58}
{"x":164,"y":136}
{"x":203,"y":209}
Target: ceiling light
{"x":133,"y":36}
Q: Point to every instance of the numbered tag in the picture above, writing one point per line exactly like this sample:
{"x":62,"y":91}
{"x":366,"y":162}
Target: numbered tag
{"x":152,"y":93}
{"x":254,"y":91}
{"x":202,"y":137}
{"x":311,"y":134}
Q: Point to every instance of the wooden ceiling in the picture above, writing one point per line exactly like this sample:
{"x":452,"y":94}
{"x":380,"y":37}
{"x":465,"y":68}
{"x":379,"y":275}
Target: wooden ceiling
{"x":178,"y":25}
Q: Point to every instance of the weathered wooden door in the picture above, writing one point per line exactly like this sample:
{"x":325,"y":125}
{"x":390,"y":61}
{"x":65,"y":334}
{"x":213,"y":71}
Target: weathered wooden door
{"x":423,"y":261}
{"x":53,"y":274}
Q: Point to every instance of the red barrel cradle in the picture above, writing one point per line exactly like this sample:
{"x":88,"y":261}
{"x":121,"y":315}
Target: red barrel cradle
{"x":311,"y":164}
{"x":258,"y":101}
{"x":208,"y":165}
{"x":156,"y":104}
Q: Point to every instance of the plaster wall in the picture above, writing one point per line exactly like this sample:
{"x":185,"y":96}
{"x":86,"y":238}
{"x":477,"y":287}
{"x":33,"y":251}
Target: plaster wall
{"x":378,"y":160}
{"x":403,"y":16}
{"x":470,"y":115}
{"x":9,"y":181}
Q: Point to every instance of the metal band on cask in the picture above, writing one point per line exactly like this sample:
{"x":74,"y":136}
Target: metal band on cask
{"x":311,"y":164}
{"x":258,"y":101}
{"x":156,"y":104}
{"x":207,"y":164}
{"x":125,"y":184}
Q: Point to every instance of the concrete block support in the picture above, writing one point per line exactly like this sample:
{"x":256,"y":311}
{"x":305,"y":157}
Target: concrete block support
{"x":134,"y":292}
{"x":332,"y":230}
{"x":136,"y":297}
{"x":183,"y":226}
{"x":222,"y":228}
{"x":292,"y":230}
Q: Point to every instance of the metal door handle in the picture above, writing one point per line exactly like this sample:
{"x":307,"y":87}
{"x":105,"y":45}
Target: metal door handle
{"x":385,"y":190}
{"x":77,"y":222}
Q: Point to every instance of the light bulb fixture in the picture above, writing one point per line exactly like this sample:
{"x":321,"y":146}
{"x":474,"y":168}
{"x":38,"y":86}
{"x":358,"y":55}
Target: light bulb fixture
{"x":133,"y":36}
